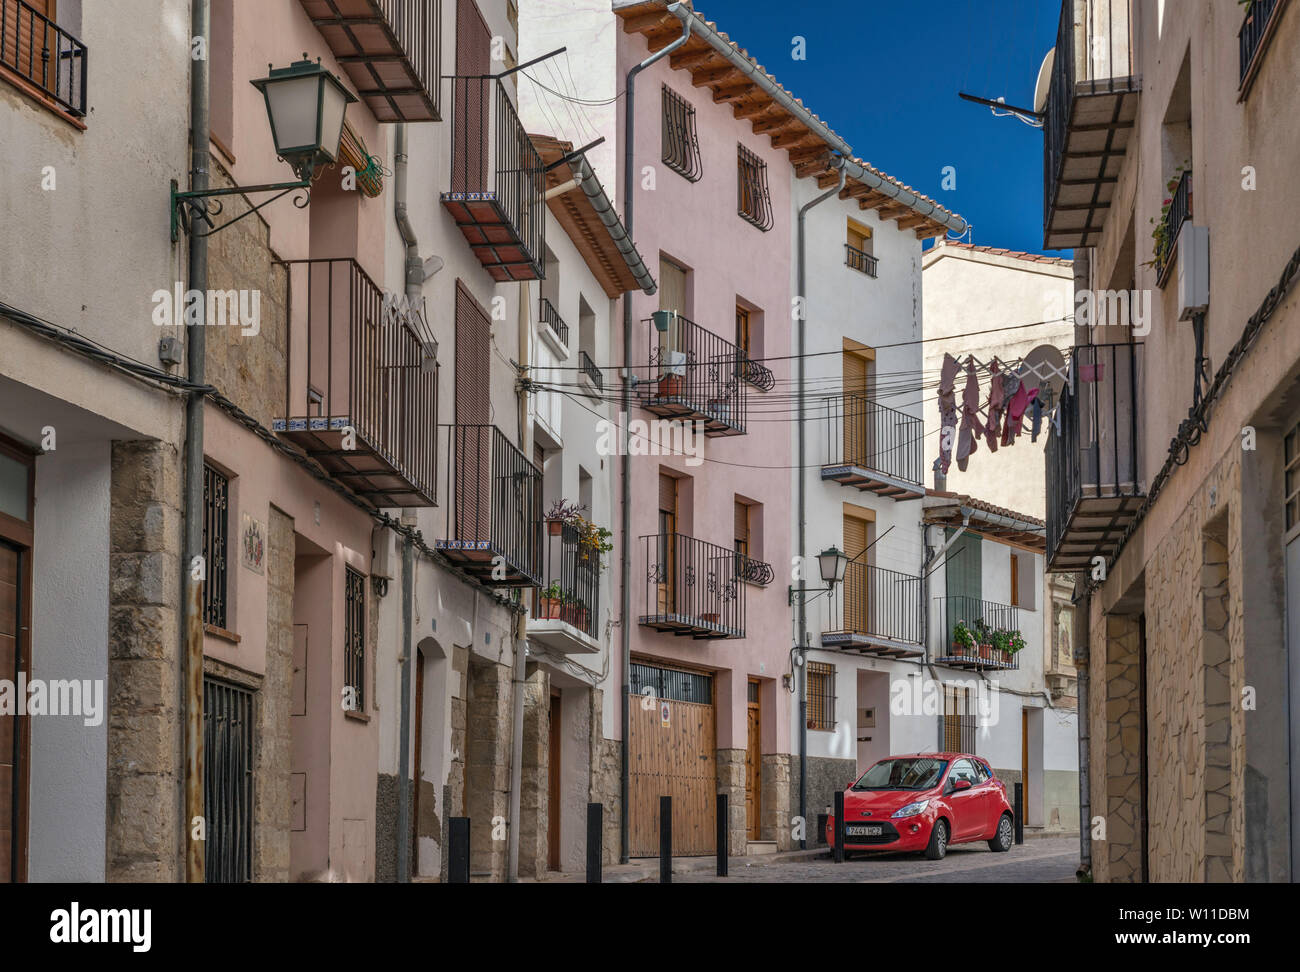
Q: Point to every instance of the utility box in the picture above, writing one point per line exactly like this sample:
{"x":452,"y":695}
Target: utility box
{"x":384,"y":562}
{"x":1193,"y":271}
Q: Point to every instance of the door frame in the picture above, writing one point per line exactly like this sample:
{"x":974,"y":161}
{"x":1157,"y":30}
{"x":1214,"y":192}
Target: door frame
{"x":754,"y":749}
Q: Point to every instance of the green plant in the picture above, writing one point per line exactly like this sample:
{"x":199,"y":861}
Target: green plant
{"x":1160,"y":228}
{"x":1015,"y":641}
{"x":565,"y":512}
{"x":962,"y":636}
{"x":983,"y":633}
{"x":594,"y":540}
{"x":553,"y":592}
{"x":1002,"y":639}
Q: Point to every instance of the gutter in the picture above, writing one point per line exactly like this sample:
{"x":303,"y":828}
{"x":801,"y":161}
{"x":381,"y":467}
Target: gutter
{"x":625,"y":463}
{"x":584,"y":177}
{"x":819,"y":128}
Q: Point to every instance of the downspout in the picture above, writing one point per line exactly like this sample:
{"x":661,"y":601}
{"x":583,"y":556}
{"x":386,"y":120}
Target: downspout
{"x":815,"y":125}
{"x":414,"y":277}
{"x":801,"y":608}
{"x":192,"y":587}
{"x":519,"y":675}
{"x":625,"y":464}
{"x":1082,"y":656}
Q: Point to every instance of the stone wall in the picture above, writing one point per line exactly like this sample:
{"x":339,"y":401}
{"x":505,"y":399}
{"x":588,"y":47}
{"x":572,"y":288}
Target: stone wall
{"x":487,"y":766}
{"x":606,"y":776}
{"x":272,"y":758}
{"x":731,"y":781}
{"x":1119,"y":856}
{"x":825,"y":777}
{"x":145,"y":772}
{"x":534,"y":785}
{"x":776,"y":812}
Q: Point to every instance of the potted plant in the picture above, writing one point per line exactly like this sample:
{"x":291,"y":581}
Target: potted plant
{"x":580,"y":614}
{"x":984,"y":636}
{"x":1001,"y":649}
{"x":552,"y":601}
{"x":1160,"y":227}
{"x":593,"y":541}
{"x":561,"y":513}
{"x":1015,"y":644}
{"x":963,"y":641}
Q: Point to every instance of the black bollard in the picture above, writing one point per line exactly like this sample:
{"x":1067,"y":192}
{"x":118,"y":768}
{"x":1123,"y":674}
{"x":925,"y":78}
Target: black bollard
{"x":595,"y":841}
{"x":665,"y":840}
{"x":458,"y":850}
{"x":1020,"y":813}
{"x":722,"y":835}
{"x":839,"y":826}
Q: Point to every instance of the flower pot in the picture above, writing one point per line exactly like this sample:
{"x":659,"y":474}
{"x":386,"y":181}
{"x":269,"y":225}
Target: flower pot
{"x":959,"y":650}
{"x":710,"y":618}
{"x":551,"y":607}
{"x":670,"y":386}
{"x":1004,"y":656}
{"x":554,"y":527}
{"x":986,"y":652}
{"x":580,"y":619}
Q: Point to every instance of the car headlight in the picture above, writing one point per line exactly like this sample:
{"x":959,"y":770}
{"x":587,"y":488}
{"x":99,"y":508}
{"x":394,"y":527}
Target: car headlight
{"x":912,"y":809}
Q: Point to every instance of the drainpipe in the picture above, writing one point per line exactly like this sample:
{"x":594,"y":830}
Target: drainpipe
{"x":414,"y":267}
{"x":519,"y":674}
{"x":625,"y":464}
{"x":191,"y":588}
{"x":1082,"y":654}
{"x":801,"y":608}
{"x":815,"y":125}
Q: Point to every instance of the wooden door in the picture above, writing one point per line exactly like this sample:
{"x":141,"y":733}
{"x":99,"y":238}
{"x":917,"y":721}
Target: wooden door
{"x":417,"y":765}
{"x":856,"y":601}
{"x":666,"y":555}
{"x":13,"y":728}
{"x":471,"y":438}
{"x":754,"y":764}
{"x":856,"y":426}
{"x":675,"y":757}
{"x":553,"y":789}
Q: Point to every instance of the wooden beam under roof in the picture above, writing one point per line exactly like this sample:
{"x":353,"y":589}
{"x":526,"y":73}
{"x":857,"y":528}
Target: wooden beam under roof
{"x":724,"y":95}
{"x":689,"y":57}
{"x":818,"y":167}
{"x":714,"y":75}
{"x":895,"y":211}
{"x":932,"y":229}
{"x":640,"y":23}
{"x":913,"y":221}
{"x":794,"y":139}
{"x":754,"y":108}
{"x":776,"y":123}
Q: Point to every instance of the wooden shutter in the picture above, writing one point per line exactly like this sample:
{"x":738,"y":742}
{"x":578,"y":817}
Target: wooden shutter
{"x":668,"y":495}
{"x":1015,"y":579}
{"x":855,"y":575}
{"x":672,"y":286}
{"x":473,"y":359}
{"x":25,"y":36}
{"x":963,"y":568}
{"x":471,"y":449}
{"x":742,"y":527}
{"x":471,"y":116}
{"x":856,"y":441}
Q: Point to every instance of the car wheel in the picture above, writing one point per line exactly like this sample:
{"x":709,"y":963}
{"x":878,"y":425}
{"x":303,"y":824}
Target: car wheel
{"x":938,"y":841}
{"x":1002,"y":839}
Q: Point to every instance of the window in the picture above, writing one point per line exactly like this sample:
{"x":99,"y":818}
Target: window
{"x":821,"y":696}
{"x":670,"y":683}
{"x":753,"y":203}
{"x":227,"y":782}
{"x":749,"y":346}
{"x":42,"y":58}
{"x":742,"y":528}
{"x":964,"y":769}
{"x":858,"y":249}
{"x":216,"y":544}
{"x":354,"y":637}
{"x":1015,"y":579}
{"x":681,"y":144}
{"x":958,"y":720}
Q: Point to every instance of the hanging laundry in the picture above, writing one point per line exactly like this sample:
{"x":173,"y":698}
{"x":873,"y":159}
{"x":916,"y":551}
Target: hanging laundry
{"x":970,"y":419}
{"x":947,"y":410}
{"x":1036,"y":418}
{"x":994,"y":423}
{"x":1092,"y":373}
{"x":1016,"y":413}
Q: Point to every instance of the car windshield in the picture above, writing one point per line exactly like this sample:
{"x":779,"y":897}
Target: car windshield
{"x":909,"y":773}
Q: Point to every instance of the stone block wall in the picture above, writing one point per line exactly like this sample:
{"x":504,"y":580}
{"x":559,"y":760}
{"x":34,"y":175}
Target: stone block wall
{"x":272,"y":758}
{"x":776,"y":812}
{"x":487,"y":766}
{"x":606,"y":774}
{"x":731,"y":781}
{"x":145,"y":771}
{"x":534,"y":785}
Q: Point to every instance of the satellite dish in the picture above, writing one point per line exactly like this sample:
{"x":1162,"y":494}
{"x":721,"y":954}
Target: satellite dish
{"x":1044,"y":81}
{"x":1044,"y":367}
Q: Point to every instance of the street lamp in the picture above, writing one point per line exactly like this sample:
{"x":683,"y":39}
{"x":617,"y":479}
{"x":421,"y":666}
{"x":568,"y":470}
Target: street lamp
{"x":305,"y":105}
{"x":831,"y":563}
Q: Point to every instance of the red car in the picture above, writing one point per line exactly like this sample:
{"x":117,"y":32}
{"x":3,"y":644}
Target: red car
{"x":925,"y":802}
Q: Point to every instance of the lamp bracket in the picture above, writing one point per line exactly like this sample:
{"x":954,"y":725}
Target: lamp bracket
{"x":186,"y":206}
{"x":801,"y":594}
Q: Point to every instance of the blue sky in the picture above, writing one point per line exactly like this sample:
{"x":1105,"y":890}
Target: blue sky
{"x":885,"y":76}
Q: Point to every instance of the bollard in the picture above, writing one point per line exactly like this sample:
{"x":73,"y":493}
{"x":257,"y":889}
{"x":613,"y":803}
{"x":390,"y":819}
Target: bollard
{"x":665,"y":840}
{"x":839,"y":826}
{"x":458,"y":850}
{"x":722,"y":835}
{"x":595,"y":841}
{"x":1019,"y":812}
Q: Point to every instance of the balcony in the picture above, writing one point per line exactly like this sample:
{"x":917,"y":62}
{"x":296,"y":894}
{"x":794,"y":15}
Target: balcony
{"x":1091,"y":108}
{"x":987,"y":622}
{"x":692,"y":588}
{"x":389,"y":49}
{"x":498,"y":182}
{"x":552,"y":320}
{"x":859,"y":260}
{"x":758,"y":375}
{"x":1171,"y":224}
{"x":1094,"y":464}
{"x":874,"y":448}
{"x":590,"y":375}
{"x":492,"y":529}
{"x":695,"y":376}
{"x":361,"y":388}
{"x":45,"y":58}
{"x":751,"y":571}
{"x":1256,"y":34}
{"x":567,"y":607}
{"x":877,"y":612}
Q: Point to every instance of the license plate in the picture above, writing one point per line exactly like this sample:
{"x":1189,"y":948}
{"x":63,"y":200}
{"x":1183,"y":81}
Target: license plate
{"x":863,"y":830}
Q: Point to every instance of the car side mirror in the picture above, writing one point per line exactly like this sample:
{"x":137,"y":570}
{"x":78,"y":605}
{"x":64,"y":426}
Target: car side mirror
{"x":960,"y":785}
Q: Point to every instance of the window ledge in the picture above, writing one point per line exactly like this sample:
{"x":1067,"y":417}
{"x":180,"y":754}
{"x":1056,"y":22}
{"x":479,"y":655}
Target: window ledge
{"x":35,"y":94}
{"x":222,"y":633}
{"x":362,"y":717}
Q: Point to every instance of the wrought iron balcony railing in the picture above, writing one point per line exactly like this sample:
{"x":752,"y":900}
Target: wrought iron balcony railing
{"x":692,"y":588}
{"x":1090,"y":113}
{"x":492,"y":528}
{"x":43,"y":54}
{"x":361,"y":383}
{"x":570,"y":591}
{"x":758,"y":375}
{"x":753,"y":571}
{"x":695,"y":377}
{"x":859,"y":260}
{"x":984,"y":620}
{"x":592,"y":373}
{"x":498,"y":183}
{"x":1179,"y":212}
{"x":1094,"y":463}
{"x":873,"y":447}
{"x":552,"y":319}
{"x":1253,"y":36}
{"x":390,"y":51}
{"x":876,"y":610}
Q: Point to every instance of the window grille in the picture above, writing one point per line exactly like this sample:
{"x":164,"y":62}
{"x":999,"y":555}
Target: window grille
{"x":821,"y":696}
{"x":753,"y":204}
{"x":216,"y":543}
{"x":681,"y":144}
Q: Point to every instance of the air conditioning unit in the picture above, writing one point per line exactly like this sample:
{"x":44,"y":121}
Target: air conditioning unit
{"x":1193,"y":271}
{"x":384,"y":544}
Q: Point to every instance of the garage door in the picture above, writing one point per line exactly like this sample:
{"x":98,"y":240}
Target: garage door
{"x":673,"y":753}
